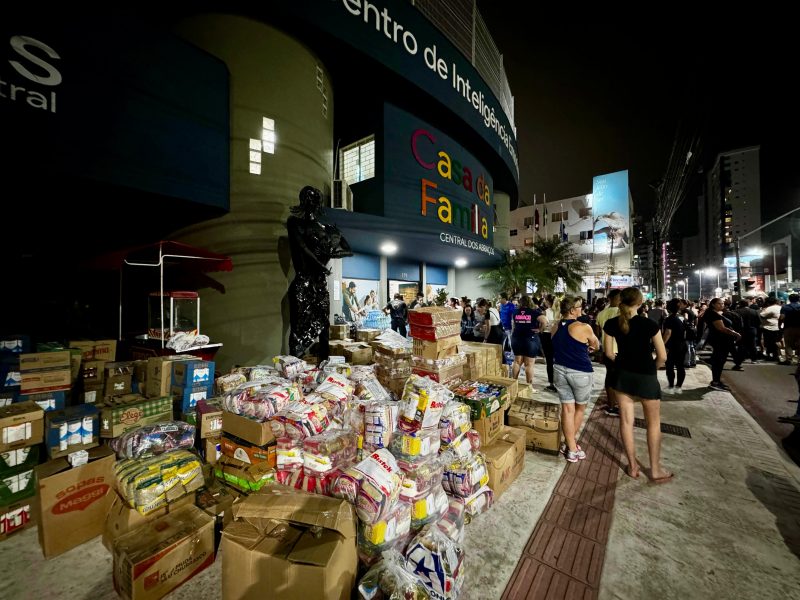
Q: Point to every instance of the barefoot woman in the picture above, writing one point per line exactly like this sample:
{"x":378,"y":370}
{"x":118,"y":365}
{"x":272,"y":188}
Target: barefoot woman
{"x":636,"y":379}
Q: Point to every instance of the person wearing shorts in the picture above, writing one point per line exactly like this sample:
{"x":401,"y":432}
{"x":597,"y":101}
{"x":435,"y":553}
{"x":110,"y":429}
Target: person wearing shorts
{"x":527,"y":322}
{"x":636,"y":378}
{"x":572,"y":371}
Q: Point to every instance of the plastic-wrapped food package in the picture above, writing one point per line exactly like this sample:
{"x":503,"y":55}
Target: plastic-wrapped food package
{"x":335,"y":387}
{"x":336,"y":367}
{"x":422,"y":404}
{"x":300,"y":420}
{"x":319,"y":483}
{"x":415,"y":446}
{"x":467,"y":444}
{"x":308,"y":380}
{"x":369,"y":388}
{"x":289,"y":366}
{"x":329,"y":450}
{"x":463,"y":477}
{"x":452,"y":522}
{"x":289,"y":453}
{"x":419,"y":477}
{"x":454,"y":422}
{"x":290,"y":477}
{"x":150,"y":440}
{"x":437,"y":561}
{"x":380,"y":420}
{"x":380,"y":486}
{"x":257,"y":372}
{"x":389,"y":580}
{"x":149,"y":484}
{"x":428,"y":507}
{"x":479,"y":502}
{"x":261,"y":400}
{"x":391,"y":530}
{"x":228,"y":382}
{"x":347,"y":484}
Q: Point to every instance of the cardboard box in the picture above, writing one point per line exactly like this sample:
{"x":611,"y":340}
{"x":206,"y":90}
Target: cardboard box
{"x":73,"y":502}
{"x":157,"y":557}
{"x":367,"y":335}
{"x":119,"y":414}
{"x":122,"y":518}
{"x":359,"y":353}
{"x":248,"y":453}
{"x":192,"y":372}
{"x":21,"y":425}
{"x":209,"y":416}
{"x":432,"y":315}
{"x":541,"y":422}
{"x":211,"y":450}
{"x":96,"y":349}
{"x":38,"y":361}
{"x":438,"y":349}
{"x":242,"y":476}
{"x":217,"y":501}
{"x":187,"y":397}
{"x":92,"y":393}
{"x":270,"y":546}
{"x":17,"y":484}
{"x":118,"y":379}
{"x":16,"y":517}
{"x":71,"y":429}
{"x":47,"y":400}
{"x":35,"y":382}
{"x":22,"y":457}
{"x":505,"y":459}
{"x":512,"y":385}
{"x":255,"y":432}
{"x":93,"y":371}
{"x":159,"y":377}
{"x":489,"y":427}
{"x":338,"y":332}
{"x":139,"y":383}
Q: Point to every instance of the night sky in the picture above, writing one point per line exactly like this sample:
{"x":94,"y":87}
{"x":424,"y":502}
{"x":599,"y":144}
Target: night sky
{"x":592,"y":98}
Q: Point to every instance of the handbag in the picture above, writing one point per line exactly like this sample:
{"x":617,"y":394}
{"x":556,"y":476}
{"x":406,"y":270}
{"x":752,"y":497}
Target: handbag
{"x":339,"y":320}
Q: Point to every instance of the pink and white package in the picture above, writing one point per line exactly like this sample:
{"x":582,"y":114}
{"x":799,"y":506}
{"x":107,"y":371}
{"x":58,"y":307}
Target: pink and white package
{"x":479,"y":502}
{"x":300,"y":420}
{"x":261,"y":400}
{"x":463,"y":477}
{"x":329,"y":450}
{"x":380,"y":487}
{"x":380,"y":420}
{"x":422,"y":404}
{"x":289,"y":366}
{"x":347,"y":484}
{"x":455,"y":421}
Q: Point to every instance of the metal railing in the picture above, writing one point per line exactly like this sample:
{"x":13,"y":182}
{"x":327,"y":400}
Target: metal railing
{"x":462,"y":24}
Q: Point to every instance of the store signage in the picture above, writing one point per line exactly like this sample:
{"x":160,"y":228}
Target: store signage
{"x":434,"y":184}
{"x":398,"y":36}
{"x":34,"y":74}
{"x":457,"y":240}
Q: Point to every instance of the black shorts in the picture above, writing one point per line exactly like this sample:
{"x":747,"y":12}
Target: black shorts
{"x":531,"y":347}
{"x":637,"y":384}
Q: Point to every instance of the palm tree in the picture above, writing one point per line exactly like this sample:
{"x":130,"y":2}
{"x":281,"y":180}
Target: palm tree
{"x":548,"y":261}
{"x":556,"y":260}
{"x":512,"y":274}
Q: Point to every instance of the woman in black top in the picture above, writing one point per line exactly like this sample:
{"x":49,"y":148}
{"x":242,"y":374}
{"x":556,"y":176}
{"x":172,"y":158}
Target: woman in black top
{"x":528,"y":321}
{"x":675,"y":342}
{"x":468,"y":324}
{"x":635,"y":377}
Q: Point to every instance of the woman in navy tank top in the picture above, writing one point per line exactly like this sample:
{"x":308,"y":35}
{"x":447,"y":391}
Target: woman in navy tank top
{"x":572,"y":371}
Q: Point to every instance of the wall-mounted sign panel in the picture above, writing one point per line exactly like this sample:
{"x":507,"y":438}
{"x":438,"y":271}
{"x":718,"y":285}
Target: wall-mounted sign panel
{"x":431,"y":183}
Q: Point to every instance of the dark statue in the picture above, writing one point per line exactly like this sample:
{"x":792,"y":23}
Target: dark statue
{"x":312,"y":244}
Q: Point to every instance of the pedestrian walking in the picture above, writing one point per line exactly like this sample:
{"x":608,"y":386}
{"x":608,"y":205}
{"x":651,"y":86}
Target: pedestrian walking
{"x":721,"y":336}
{"x":635,"y":378}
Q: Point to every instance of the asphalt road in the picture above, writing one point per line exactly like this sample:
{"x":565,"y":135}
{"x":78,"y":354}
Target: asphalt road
{"x":767,"y":391}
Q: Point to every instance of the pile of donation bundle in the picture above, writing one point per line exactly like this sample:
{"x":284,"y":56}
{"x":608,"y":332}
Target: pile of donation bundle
{"x":330,"y":480}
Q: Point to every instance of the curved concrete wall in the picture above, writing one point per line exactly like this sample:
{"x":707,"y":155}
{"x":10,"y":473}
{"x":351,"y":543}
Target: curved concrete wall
{"x":274,"y":76}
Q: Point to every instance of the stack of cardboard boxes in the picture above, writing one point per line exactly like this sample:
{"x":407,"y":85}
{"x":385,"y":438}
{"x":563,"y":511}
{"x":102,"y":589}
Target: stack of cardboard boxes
{"x":437,"y":332}
{"x":541,"y":421}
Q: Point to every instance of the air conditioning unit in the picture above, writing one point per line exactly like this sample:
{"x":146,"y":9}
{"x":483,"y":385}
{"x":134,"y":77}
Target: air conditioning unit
{"x":341,"y":195}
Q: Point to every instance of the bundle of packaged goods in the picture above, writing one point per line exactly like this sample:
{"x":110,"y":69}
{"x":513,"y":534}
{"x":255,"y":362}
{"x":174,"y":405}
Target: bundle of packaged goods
{"x":192,"y":380}
{"x":541,"y":422}
{"x":393,"y":359}
{"x":482,"y":359}
{"x":376,"y":319}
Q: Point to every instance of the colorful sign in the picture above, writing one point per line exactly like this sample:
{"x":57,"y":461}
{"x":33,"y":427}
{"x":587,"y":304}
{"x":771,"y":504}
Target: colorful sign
{"x":611,"y":212}
{"x":432,"y":182}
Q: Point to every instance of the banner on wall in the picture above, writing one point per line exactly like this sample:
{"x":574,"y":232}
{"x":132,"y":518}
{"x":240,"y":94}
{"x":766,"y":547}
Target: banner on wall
{"x":611,"y":212}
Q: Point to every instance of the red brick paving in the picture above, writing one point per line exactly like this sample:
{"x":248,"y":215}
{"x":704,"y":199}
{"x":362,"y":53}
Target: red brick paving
{"x":564,"y":556}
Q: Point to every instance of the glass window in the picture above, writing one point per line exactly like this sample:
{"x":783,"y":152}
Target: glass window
{"x":513,"y":232}
{"x":358,"y":160}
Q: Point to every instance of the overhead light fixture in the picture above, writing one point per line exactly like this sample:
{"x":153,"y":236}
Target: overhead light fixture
{"x":388,"y":248}
{"x":461,"y":263}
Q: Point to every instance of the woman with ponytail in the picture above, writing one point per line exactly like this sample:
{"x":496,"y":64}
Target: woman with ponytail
{"x":635,"y":377}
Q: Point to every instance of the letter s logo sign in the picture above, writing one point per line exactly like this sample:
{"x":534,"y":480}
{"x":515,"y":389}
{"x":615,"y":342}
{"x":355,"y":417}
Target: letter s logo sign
{"x":20,"y":45}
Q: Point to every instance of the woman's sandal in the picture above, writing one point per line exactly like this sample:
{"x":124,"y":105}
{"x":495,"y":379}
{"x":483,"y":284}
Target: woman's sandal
{"x":664,"y":479}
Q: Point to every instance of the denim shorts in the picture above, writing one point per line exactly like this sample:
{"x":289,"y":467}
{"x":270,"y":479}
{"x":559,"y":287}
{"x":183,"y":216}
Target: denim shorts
{"x":572,"y":385}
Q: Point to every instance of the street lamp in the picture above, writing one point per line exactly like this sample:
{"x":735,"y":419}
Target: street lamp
{"x":712,"y":271}
{"x":699,"y":273}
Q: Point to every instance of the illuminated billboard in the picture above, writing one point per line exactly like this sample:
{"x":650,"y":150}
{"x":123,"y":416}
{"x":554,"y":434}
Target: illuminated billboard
{"x":611,"y":212}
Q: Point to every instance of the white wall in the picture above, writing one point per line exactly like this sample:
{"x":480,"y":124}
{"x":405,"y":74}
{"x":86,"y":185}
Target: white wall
{"x":467,"y":284}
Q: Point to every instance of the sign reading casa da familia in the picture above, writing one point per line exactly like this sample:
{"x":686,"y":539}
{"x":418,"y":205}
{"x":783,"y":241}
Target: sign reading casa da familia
{"x":433,"y":184}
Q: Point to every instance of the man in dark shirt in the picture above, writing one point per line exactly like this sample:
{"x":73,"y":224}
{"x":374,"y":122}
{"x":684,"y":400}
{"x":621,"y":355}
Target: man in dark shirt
{"x":738,"y":326}
{"x":751,"y":321}
{"x":398,"y":311}
{"x":790,"y":323}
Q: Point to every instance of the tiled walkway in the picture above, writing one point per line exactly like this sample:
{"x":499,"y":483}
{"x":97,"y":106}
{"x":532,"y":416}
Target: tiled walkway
{"x":564,"y":556}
